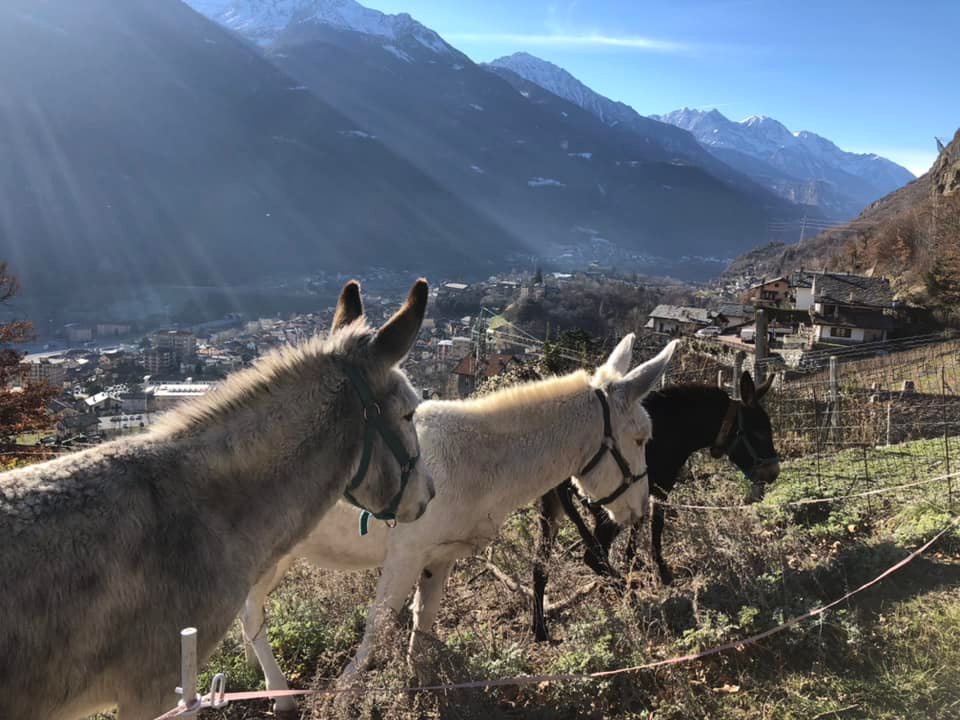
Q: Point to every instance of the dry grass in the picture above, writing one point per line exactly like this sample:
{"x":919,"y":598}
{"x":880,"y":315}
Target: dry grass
{"x":891,"y":653}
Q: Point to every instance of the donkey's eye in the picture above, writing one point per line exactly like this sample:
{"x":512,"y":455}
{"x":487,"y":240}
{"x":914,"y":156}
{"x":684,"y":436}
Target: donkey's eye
{"x":408,"y":417}
{"x":641,"y":442}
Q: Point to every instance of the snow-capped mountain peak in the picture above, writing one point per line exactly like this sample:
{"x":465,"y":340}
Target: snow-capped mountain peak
{"x":263,"y":20}
{"x":556,"y":80}
{"x":802,"y":155}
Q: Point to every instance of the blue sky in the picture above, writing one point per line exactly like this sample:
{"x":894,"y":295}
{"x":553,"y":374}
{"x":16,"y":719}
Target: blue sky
{"x":873,"y":76}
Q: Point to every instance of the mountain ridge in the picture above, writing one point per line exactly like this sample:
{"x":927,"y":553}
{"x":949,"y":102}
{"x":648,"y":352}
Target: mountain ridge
{"x":538,"y":166}
{"x":154,"y":147}
{"x":792,"y":157}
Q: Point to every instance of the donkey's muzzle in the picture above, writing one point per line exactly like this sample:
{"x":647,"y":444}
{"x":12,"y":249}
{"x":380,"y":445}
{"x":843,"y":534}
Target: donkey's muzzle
{"x":763,"y":475}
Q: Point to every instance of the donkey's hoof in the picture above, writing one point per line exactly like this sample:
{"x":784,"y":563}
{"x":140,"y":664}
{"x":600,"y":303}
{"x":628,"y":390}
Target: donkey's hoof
{"x":618,"y":583}
{"x":598,"y":564}
{"x":666,"y":577}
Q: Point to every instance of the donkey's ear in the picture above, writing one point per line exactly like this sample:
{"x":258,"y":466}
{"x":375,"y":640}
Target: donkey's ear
{"x":622,"y":355}
{"x":394,"y":340}
{"x":767,"y":384}
{"x":349,"y":307}
{"x":748,"y":391}
{"x":641,"y":380}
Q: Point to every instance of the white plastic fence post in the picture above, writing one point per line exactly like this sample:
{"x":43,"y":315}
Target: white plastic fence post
{"x":188,"y":668}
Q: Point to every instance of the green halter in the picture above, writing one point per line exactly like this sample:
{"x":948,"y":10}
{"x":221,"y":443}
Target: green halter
{"x":373,"y":421}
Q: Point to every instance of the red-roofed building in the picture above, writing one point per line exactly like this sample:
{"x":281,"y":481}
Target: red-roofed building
{"x":464,"y":377}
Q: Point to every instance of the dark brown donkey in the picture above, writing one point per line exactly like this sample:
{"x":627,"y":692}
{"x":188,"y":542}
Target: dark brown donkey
{"x":686,"y":418}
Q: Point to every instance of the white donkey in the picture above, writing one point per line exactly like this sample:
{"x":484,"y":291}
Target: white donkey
{"x":106,"y":554}
{"x":488,"y":457}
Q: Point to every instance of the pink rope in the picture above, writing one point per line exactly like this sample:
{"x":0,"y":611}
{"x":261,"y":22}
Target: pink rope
{"x":581,"y":677}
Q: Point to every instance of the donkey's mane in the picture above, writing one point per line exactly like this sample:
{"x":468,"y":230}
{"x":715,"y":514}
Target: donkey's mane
{"x":306,"y":361}
{"x":521,"y":396}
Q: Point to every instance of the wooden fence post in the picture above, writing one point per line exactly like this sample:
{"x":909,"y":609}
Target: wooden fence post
{"x":737,"y":372}
{"x":834,"y":399}
{"x":946,"y":432}
{"x":889,"y":418}
{"x":760,"y":342}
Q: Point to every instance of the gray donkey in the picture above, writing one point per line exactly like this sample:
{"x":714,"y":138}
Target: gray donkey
{"x":106,"y":554}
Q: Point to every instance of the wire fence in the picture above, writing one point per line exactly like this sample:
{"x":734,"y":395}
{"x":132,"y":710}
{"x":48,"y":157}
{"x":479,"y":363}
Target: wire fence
{"x":881,"y":416}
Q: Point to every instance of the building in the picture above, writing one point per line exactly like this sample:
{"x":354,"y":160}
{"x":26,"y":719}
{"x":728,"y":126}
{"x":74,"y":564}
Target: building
{"x":444,"y":350}
{"x":123,"y":424}
{"x":182,"y":343}
{"x":164,"y":396}
{"x":158,"y":362}
{"x":680,"y":320}
{"x":851,"y":309}
{"x":35,"y":370}
{"x":78,"y":333}
{"x":132,"y":403}
{"x":464,"y":377}
{"x":801,"y":285}
{"x":112,"y":330}
{"x":736,"y":314}
{"x":102,"y":403}
{"x":769,"y":293}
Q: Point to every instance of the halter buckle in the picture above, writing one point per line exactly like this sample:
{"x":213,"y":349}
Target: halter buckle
{"x":366,"y":411}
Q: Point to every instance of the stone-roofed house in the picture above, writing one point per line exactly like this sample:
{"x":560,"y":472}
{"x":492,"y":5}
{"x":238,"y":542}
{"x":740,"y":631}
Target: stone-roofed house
{"x":680,"y":320}
{"x":851,"y":309}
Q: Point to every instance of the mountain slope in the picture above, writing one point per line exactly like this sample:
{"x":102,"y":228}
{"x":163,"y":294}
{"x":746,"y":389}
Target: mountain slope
{"x":265,"y":20}
{"x":561,"y":83}
{"x":678,"y":142}
{"x":795,"y":165}
{"x":143,"y":144}
{"x":541,"y":167}
{"x":911,"y":235}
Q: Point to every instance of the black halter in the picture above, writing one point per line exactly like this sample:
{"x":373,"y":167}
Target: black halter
{"x":609,"y":445}
{"x":373,"y":425}
{"x":728,"y":439}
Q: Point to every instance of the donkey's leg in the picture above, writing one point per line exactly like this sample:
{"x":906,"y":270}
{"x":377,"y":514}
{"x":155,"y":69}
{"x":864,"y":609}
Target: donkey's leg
{"x":426,"y":605}
{"x":253,"y":624}
{"x":605,"y":531}
{"x":257,"y":642}
{"x":656,"y":528}
{"x":549,"y":521}
{"x":399,"y":576}
{"x":594,"y":553}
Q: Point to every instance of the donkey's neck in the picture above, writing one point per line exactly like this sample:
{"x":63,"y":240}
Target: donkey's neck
{"x":257,"y":476}
{"x":685,"y":418}
{"x":537,"y":443}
